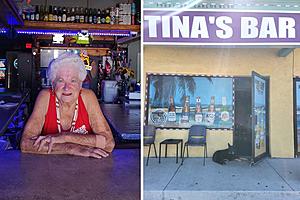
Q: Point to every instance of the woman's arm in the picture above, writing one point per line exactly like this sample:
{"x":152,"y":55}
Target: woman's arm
{"x":34,"y":128}
{"x":34,"y":125}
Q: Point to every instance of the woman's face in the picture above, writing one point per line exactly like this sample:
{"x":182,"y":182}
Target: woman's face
{"x":67,"y":84}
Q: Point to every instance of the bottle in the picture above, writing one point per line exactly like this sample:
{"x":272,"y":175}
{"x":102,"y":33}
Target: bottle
{"x":117,"y":12}
{"x":77,"y":16}
{"x":103,"y":17}
{"x":90,"y":15}
{"x":186,"y":110}
{"x":50,"y":15}
{"x":46,"y":14}
{"x":55,"y":12}
{"x":198,"y":111}
{"x":24,"y":14}
{"x":94,"y":16}
{"x":37,"y":13}
{"x":107,"y":16}
{"x":224,"y":110}
{"x":32,"y":14}
{"x":112,"y":15}
{"x":171,"y":110}
{"x":86,"y":15}
{"x":59,"y":14}
{"x":72,"y":15}
{"x":138,"y":17}
{"x":64,"y":15}
{"x":99,"y":16}
{"x":69,"y":14}
{"x":133,"y":12}
{"x":210,"y":117}
{"x":42,"y":13}
{"x":81,"y":15}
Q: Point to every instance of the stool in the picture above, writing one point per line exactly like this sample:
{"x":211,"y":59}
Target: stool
{"x":171,"y":141}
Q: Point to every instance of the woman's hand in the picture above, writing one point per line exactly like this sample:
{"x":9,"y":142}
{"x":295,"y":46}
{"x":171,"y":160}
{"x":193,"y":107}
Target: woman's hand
{"x":48,"y":141}
{"x":89,"y":152}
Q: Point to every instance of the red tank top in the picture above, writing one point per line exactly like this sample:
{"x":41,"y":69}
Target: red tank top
{"x":82,"y":124}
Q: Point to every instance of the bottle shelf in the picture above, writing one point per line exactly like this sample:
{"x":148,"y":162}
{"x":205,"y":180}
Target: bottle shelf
{"x":33,"y":25}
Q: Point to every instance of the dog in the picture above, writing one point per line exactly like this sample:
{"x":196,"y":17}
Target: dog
{"x":221,"y":156}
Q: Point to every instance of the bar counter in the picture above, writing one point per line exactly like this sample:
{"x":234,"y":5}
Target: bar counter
{"x":52,"y":177}
{"x":124,"y":121}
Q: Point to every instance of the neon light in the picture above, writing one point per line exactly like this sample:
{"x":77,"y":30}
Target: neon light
{"x":98,"y":32}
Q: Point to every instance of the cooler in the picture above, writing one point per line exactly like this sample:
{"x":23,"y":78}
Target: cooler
{"x":109,"y":90}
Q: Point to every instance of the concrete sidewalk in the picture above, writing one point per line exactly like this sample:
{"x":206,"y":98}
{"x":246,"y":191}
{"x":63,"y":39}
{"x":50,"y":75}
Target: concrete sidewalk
{"x":274,"y":179}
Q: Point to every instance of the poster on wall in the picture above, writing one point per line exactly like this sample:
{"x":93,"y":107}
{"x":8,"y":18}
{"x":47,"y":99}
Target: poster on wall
{"x":178,"y":101}
{"x":259,"y":115}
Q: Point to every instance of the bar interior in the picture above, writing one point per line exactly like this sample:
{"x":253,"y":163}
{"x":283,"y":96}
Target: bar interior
{"x":106,"y":35}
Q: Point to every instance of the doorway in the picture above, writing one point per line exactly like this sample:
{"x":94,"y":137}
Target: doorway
{"x":251,"y":125}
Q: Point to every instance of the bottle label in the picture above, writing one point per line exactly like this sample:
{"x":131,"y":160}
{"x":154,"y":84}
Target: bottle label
{"x":32,"y":17}
{"x":50,"y":18}
{"x":198,"y":117}
{"x":210,"y":117}
{"x":112,"y":20}
{"x":81,"y":19}
{"x":107,"y":20}
{"x":98,"y":20}
{"x":64,"y":17}
{"x":225,"y":116}
{"x":185,"y":118}
{"x":172,"y":117}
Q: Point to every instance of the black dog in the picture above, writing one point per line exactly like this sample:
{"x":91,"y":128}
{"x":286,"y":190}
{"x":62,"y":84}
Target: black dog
{"x":221,"y":156}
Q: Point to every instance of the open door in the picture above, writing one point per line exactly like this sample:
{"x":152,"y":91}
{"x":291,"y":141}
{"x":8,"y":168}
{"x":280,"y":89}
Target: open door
{"x":259,"y":117}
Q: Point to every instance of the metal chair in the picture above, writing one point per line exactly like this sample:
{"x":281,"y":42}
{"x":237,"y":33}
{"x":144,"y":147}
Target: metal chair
{"x":197,"y":137}
{"x":149,"y":138}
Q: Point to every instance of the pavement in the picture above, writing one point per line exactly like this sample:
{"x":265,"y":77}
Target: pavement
{"x":269,"y":179}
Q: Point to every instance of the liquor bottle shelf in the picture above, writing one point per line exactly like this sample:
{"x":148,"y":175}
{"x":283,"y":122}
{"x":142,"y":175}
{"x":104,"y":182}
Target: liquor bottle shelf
{"x":33,"y":25}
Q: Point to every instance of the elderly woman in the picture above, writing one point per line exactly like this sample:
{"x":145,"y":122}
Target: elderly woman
{"x":67,"y":119}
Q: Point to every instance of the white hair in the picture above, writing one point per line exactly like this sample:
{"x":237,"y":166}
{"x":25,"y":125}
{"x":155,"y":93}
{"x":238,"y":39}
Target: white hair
{"x":66,"y":59}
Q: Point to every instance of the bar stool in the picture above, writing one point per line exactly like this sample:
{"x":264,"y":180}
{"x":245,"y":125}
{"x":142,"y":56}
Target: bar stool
{"x":171,"y":141}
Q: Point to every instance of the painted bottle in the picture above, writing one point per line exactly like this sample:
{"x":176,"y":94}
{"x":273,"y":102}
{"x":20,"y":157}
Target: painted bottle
{"x":171,"y":110}
{"x":224,"y":110}
{"x":210,"y":117}
{"x":198,"y":111}
{"x":185,"y":110}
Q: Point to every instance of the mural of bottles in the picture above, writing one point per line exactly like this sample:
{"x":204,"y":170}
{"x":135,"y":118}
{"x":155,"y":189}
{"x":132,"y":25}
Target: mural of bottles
{"x":179,"y":102}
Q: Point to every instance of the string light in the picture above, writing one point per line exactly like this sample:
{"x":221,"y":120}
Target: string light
{"x":99,"y":32}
